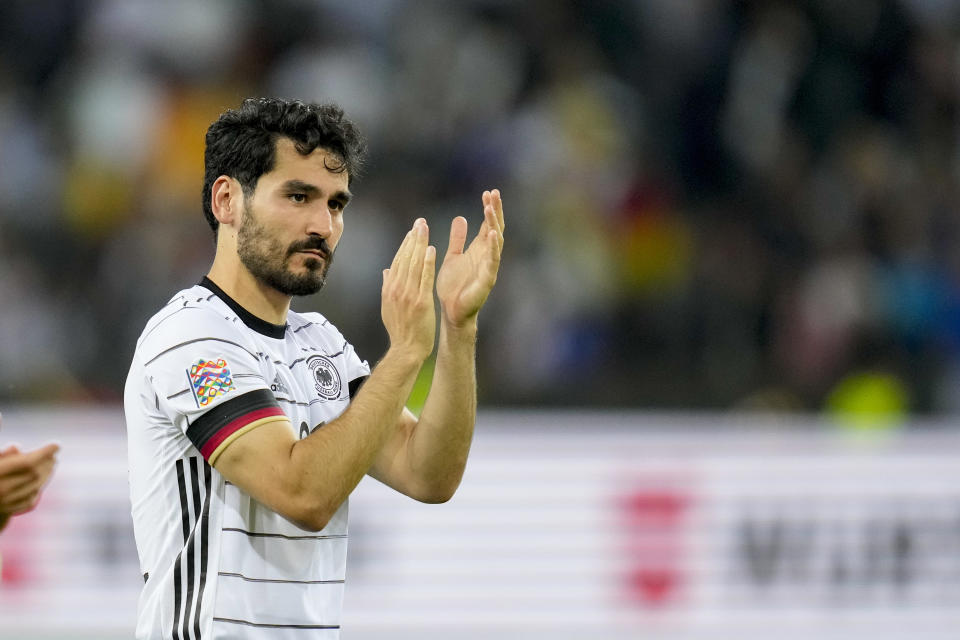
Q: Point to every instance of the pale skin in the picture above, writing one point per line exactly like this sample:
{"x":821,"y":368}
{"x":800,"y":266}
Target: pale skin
{"x":23,"y":474}
{"x":307,"y":480}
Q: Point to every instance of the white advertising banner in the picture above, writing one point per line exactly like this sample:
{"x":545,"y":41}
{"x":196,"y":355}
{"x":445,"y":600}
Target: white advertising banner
{"x":567,"y":525}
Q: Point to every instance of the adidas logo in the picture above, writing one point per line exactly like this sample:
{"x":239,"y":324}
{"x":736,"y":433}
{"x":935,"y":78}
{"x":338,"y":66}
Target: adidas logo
{"x":277,"y":386}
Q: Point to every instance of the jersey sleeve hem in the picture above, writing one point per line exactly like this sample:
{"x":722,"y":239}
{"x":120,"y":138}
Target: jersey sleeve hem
{"x":212,"y":432}
{"x":228,"y":439}
{"x":354,"y":385}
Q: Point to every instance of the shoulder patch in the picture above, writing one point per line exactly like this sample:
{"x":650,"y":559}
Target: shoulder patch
{"x":210,"y":379}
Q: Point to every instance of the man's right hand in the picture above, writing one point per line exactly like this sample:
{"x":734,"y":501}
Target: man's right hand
{"x":407,"y":295}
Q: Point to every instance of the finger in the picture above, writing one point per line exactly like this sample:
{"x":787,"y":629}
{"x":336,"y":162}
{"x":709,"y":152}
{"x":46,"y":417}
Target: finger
{"x":415,"y":267}
{"x":46,"y":451}
{"x":23,"y":506}
{"x":38,"y":473}
{"x":492,"y":223}
{"x":401,"y":252}
{"x":45,"y":469}
{"x":39,"y":461}
{"x":489,"y":223}
{"x":10,"y":474}
{"x":429,"y":271}
{"x":494,"y":241}
{"x":486,"y":199}
{"x":12,"y":484}
{"x":497,"y":203}
{"x":491,"y":199}
{"x":458,"y":236}
{"x":14,"y":464}
{"x":23,"y":493}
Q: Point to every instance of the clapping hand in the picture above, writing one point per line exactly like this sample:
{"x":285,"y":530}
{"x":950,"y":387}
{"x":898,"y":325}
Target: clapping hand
{"x":467,"y":276}
{"x":22,"y":478}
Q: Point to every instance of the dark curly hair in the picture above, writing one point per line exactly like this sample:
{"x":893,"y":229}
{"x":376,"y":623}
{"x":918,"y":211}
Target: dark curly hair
{"x":242,"y":142}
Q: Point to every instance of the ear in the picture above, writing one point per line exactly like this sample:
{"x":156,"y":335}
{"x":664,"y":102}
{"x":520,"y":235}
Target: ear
{"x":226,"y":200}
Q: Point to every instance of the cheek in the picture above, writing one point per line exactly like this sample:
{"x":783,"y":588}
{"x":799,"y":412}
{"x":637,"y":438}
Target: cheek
{"x":336,"y":231}
{"x":277,"y":247}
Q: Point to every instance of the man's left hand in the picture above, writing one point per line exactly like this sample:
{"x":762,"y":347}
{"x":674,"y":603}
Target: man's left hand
{"x":467,"y":276}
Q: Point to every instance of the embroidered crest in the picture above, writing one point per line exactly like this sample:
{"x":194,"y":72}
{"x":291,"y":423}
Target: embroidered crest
{"x":326,"y":377}
{"x":210,"y":379}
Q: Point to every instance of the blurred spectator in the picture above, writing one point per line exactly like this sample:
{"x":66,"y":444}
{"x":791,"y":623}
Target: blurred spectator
{"x":717,"y":203}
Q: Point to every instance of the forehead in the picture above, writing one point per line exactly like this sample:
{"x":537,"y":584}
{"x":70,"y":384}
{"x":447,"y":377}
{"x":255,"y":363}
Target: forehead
{"x":314,"y":168}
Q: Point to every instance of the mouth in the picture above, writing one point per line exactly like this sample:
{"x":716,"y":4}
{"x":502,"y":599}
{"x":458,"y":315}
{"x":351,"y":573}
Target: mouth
{"x":314,"y":253}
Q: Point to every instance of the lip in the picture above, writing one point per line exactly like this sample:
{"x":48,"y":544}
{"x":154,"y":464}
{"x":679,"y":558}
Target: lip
{"x":315,"y":254}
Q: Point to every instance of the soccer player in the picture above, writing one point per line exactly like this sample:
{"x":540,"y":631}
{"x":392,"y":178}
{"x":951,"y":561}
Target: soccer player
{"x":250,"y":424}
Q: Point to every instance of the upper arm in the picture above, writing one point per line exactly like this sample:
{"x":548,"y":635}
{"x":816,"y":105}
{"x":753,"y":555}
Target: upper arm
{"x":258,"y":462}
{"x":248,"y":439}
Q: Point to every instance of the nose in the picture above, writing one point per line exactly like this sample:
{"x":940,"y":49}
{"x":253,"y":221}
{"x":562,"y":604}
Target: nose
{"x":320,"y":222}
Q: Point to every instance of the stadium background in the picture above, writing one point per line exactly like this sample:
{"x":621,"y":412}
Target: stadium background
{"x":721,"y":213}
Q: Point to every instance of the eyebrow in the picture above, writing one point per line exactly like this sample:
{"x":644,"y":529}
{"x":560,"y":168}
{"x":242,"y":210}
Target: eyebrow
{"x":299,"y":185}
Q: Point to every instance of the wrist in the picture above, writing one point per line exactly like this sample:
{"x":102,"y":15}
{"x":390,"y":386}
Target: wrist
{"x":404,"y":358}
{"x":465,"y":331}
{"x":466,"y":325}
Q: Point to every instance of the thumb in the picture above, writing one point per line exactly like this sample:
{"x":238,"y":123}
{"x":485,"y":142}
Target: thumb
{"x":458,"y":236}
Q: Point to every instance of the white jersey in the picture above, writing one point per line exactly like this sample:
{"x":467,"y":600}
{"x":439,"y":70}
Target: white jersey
{"x":216,"y":563}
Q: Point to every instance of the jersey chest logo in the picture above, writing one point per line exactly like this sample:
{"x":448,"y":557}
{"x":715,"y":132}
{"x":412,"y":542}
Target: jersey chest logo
{"x":325,"y":376}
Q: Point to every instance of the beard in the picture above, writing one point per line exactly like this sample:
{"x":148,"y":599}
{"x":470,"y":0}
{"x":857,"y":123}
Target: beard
{"x":269,"y":261}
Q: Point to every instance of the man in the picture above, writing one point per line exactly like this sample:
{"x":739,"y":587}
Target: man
{"x":247,"y":424}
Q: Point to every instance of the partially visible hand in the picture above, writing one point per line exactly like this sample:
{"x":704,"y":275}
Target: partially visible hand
{"x":23,"y":476}
{"x":407,"y":295}
{"x":467,"y":277}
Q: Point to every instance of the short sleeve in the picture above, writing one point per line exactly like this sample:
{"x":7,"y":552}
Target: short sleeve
{"x":357,"y":370}
{"x":208,"y":380}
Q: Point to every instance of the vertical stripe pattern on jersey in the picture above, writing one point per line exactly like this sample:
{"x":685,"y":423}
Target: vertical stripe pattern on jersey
{"x":185,"y":517}
{"x":204,"y":530}
{"x":187,"y":602}
{"x":195,"y":486}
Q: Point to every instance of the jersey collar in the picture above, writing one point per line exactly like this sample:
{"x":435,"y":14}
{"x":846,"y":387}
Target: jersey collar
{"x":257,"y":324}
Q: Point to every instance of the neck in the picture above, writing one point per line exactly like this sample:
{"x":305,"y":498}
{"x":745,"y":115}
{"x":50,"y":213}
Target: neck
{"x":261,"y":300}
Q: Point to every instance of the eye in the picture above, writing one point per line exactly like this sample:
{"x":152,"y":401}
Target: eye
{"x":336,"y":205}
{"x":298,"y":198}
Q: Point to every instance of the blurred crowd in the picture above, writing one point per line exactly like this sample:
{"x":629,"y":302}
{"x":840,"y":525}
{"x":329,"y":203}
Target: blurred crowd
{"x":710,"y":203}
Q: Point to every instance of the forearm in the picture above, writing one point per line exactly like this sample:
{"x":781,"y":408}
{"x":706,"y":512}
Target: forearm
{"x":330,"y":463}
{"x":440,"y":442}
